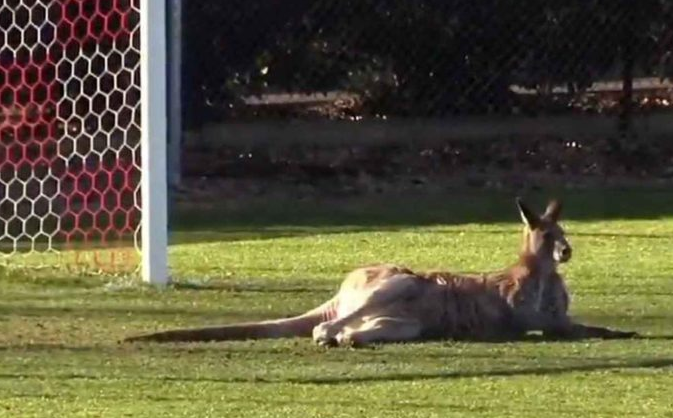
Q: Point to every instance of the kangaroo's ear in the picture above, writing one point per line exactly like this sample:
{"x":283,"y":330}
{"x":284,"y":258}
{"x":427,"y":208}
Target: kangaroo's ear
{"x":527,"y":216}
{"x":553,"y":212}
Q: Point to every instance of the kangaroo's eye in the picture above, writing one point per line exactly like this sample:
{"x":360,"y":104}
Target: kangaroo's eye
{"x":548,"y":236}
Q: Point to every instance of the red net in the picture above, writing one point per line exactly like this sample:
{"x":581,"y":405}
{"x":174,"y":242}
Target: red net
{"x":70,"y":127}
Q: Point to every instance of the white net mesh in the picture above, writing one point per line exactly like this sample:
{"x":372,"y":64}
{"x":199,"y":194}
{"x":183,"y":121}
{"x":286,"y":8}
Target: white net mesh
{"x":69,"y":130}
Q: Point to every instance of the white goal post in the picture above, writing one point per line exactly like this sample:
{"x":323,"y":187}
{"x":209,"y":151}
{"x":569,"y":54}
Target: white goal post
{"x":153,"y":64}
{"x":83,"y":131}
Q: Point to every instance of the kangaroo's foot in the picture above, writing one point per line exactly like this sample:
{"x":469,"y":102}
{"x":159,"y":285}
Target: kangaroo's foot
{"x":324,"y":334}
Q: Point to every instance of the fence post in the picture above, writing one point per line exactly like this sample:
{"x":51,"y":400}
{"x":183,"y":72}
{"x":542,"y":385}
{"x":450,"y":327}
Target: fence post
{"x":174,"y":93}
{"x":628,"y":60}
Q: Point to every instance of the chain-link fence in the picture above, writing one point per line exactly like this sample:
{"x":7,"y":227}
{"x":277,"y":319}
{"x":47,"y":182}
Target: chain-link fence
{"x":423,"y":58}
{"x":413,"y":71}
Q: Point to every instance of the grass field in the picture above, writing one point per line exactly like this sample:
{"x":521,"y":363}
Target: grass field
{"x":59,"y":354}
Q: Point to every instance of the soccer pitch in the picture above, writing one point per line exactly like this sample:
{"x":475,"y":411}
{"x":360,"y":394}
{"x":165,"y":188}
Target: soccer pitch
{"x":59,"y":332}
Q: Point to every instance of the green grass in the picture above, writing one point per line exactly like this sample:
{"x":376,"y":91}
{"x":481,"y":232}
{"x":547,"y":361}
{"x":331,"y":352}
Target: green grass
{"x":59,"y":354}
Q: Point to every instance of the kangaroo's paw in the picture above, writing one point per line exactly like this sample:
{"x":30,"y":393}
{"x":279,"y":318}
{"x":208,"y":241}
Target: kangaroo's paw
{"x":325,"y":335}
{"x":349,"y":339}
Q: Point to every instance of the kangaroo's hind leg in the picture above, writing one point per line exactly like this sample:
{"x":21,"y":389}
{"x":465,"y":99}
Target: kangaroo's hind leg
{"x":379,"y":330}
{"x":388,"y":291}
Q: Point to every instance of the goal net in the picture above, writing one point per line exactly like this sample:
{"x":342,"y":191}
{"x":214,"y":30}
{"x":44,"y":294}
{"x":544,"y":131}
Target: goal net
{"x":82,"y":133}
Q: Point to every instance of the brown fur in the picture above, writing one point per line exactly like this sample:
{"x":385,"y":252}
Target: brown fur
{"x":386,"y":303}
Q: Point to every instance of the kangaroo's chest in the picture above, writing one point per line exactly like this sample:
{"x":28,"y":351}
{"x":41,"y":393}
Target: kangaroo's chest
{"x":530,"y":295}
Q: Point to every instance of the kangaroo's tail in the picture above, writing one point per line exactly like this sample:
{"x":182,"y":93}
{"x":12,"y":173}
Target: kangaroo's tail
{"x":297,"y":326}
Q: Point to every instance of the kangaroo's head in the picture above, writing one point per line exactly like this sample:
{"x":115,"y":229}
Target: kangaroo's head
{"x":543,"y":236}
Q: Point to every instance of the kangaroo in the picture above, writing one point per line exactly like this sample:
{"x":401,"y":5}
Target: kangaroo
{"x":389,"y":303}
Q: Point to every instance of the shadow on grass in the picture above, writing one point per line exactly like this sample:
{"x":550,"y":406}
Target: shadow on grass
{"x":272,"y":218}
{"x":646,"y":363}
{"x":49,"y":347}
{"x":532,"y":371}
{"x":261,"y":218}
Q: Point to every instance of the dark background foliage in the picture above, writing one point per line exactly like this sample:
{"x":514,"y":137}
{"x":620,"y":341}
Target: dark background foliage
{"x":416,"y":58}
